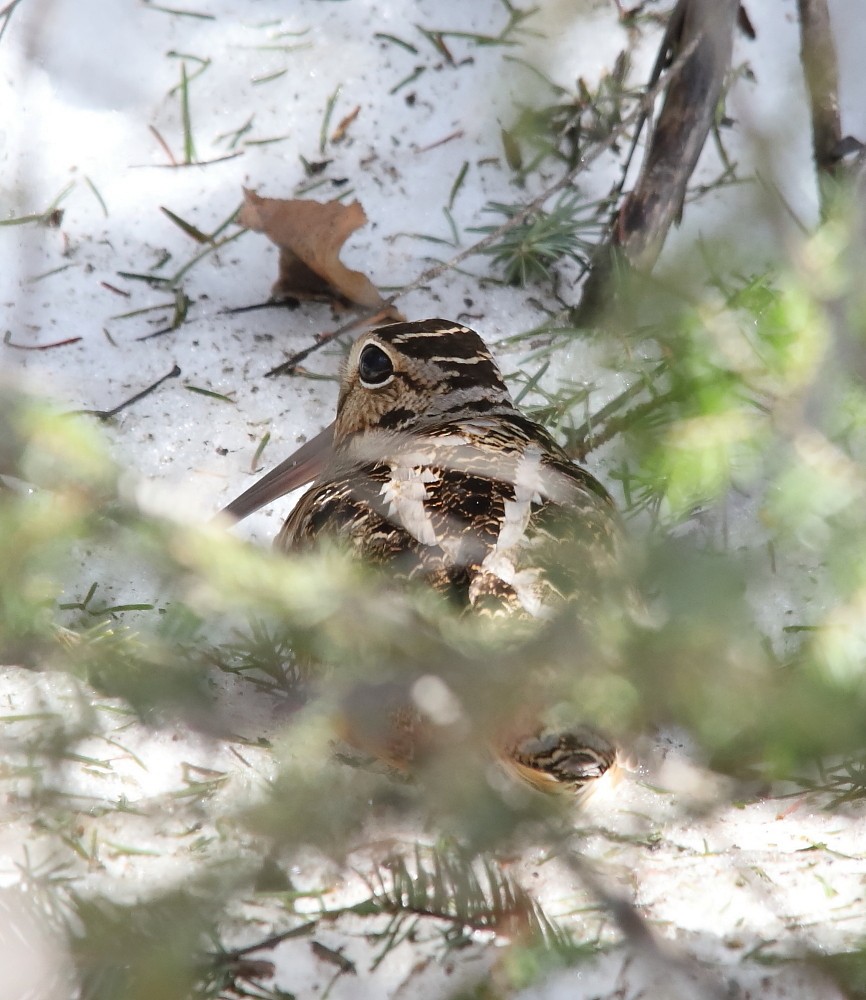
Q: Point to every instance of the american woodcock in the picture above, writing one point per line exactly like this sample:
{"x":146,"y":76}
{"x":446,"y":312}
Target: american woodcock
{"x":431,"y":471}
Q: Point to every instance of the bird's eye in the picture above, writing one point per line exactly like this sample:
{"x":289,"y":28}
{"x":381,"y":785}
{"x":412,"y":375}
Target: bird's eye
{"x":374,"y":367}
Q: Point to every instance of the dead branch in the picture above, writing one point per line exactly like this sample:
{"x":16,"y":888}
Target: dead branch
{"x":704,"y":29}
{"x":818,"y":55}
{"x":108,"y":414}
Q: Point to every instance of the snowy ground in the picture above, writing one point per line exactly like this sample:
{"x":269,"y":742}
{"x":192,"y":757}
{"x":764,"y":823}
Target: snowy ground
{"x":90,"y":83}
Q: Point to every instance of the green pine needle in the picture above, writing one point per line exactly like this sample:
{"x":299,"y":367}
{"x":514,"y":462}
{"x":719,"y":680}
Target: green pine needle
{"x":527,"y":252}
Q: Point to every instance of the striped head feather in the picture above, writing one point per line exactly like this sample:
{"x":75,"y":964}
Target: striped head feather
{"x":408,"y":375}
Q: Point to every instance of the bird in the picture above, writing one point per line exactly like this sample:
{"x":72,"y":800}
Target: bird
{"x":431,"y":472}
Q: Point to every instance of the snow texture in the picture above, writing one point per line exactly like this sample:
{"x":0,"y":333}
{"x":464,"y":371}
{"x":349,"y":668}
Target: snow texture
{"x":87,"y":86}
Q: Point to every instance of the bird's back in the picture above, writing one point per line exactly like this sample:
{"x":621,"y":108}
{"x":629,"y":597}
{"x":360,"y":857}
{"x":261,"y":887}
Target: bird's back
{"x":437,"y":477}
{"x":468,"y":505}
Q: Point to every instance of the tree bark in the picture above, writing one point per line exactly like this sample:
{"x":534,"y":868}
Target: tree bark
{"x":704,"y":29}
{"x":818,"y":55}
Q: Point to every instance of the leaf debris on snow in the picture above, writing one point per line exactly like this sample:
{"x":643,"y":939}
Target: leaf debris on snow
{"x":310,"y":235}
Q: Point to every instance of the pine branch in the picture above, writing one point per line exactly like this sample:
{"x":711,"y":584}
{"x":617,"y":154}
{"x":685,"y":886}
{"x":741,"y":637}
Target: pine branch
{"x":468,"y":892}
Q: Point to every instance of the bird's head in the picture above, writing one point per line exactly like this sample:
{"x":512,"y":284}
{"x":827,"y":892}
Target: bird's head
{"x":408,"y":375}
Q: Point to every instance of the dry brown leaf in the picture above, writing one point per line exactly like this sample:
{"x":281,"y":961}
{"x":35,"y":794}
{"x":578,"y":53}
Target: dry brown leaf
{"x":310,"y":235}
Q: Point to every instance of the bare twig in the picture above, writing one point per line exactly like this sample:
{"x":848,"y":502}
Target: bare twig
{"x":7,"y":340}
{"x":364,"y":318}
{"x":108,"y":414}
{"x":268,"y":942}
{"x":163,"y":145}
{"x":822,"y":81}
{"x":702,"y":32}
{"x":6,"y":15}
{"x":567,"y":179}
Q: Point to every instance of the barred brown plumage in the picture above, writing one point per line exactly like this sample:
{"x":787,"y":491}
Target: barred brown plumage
{"x":436,"y":475}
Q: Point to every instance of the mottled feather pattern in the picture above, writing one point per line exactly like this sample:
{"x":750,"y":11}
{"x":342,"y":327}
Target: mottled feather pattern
{"x":453,"y":488}
{"x":435,"y":474}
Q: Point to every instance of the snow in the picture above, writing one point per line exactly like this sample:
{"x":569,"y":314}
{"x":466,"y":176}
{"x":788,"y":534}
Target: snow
{"x":86,"y":80}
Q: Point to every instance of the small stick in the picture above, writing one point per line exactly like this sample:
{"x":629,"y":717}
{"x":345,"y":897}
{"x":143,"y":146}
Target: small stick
{"x":115,"y":289}
{"x":441,"y":142}
{"x":6,"y":14}
{"x":821,"y":71}
{"x":108,"y":414}
{"x":366,"y":318}
{"x":165,"y":146}
{"x":270,"y":942}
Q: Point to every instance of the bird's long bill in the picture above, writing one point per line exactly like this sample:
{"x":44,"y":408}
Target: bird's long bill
{"x":300,"y":468}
